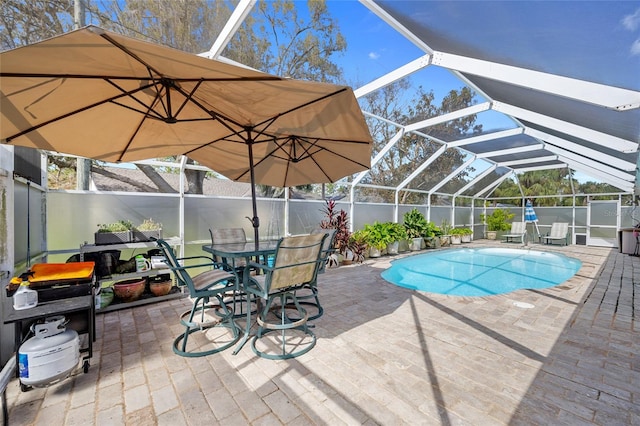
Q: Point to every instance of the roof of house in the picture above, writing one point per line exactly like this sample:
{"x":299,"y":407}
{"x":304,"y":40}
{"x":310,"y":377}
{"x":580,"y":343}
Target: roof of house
{"x":211,"y":186}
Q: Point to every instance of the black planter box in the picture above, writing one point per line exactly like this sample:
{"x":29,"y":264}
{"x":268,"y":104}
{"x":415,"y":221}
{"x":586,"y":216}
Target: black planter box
{"x":142,"y":236}
{"x":112,"y":237}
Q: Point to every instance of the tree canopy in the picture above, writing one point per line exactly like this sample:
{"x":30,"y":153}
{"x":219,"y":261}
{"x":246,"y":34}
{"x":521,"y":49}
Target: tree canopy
{"x":275,"y":38}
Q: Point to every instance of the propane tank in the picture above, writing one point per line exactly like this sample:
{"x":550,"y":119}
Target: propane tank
{"x":24,"y":297}
{"x":50,"y":355}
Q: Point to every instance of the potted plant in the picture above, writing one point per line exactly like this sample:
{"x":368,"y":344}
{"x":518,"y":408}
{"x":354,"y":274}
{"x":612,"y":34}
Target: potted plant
{"x":416,"y":225}
{"x":465,"y":234}
{"x":432,"y":235}
{"x":339,"y":221}
{"x":397,"y":233}
{"x":113,"y":233}
{"x":358,"y":245}
{"x":377,"y":237}
{"x":497,"y":221}
{"x":147,"y":230}
{"x":445,"y":228}
{"x":456,"y":236}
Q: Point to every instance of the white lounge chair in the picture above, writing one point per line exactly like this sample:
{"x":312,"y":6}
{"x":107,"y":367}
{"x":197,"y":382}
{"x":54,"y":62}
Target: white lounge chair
{"x":559,"y":232}
{"x":517,"y":233}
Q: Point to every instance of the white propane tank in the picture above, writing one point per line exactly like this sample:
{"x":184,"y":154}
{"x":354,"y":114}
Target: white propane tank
{"x":50,"y":355}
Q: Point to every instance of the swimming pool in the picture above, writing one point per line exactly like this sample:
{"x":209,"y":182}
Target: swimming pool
{"x":481,"y":271}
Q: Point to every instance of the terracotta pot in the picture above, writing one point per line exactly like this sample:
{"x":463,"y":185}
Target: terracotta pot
{"x":161,"y":288}
{"x":129,"y":290}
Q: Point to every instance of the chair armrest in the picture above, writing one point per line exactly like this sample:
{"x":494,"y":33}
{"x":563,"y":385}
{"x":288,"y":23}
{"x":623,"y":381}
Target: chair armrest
{"x":211,"y":263}
{"x":210,"y":259}
{"x":261,"y":266}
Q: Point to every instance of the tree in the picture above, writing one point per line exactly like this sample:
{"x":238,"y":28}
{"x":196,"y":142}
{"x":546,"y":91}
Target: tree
{"x":24,"y":22}
{"x":414,"y":149}
{"x":274,"y":38}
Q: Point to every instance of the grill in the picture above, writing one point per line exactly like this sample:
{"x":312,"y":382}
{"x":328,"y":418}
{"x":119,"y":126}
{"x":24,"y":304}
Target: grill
{"x":55,"y":281}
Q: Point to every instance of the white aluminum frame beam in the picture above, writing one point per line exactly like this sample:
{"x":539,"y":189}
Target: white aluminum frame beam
{"x":397,"y":74}
{"x":379,"y":155}
{"x":486,"y":137}
{"x":509,"y":151}
{"x":562,"y":126}
{"x":611,"y":97}
{"x":494,"y":184}
{"x":476,"y":179}
{"x":622,"y":184}
{"x":474,"y":109}
{"x":529,"y":161}
{"x":534,"y":168}
{"x":401,"y":29}
{"x":235,"y":20}
{"x":423,"y":166}
{"x":582,"y":150}
{"x":592,"y":164}
{"x":451,"y":175}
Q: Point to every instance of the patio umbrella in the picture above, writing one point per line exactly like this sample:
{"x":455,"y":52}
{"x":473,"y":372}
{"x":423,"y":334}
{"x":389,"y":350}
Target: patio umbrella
{"x":101,"y":95}
{"x":530,"y":215}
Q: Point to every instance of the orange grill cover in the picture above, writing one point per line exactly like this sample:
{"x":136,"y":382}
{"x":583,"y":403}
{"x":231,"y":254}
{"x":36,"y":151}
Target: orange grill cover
{"x":52,"y":273}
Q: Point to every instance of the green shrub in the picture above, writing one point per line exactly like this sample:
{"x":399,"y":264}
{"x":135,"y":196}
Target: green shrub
{"x":498,"y":220}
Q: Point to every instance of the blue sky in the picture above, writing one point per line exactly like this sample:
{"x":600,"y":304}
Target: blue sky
{"x":592,"y":40}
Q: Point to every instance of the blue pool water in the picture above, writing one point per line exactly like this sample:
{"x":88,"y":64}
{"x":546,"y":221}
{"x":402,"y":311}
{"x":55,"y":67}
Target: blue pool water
{"x":481,"y":272}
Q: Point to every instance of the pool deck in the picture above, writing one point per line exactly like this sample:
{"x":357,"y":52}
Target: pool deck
{"x":385,"y":355}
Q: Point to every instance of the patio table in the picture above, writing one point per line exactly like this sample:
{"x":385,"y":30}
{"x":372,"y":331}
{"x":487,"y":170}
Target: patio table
{"x":232,"y":251}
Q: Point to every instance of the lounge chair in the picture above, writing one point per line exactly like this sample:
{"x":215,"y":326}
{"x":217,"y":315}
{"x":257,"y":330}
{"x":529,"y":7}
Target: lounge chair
{"x":517,"y":233}
{"x":559,"y":232}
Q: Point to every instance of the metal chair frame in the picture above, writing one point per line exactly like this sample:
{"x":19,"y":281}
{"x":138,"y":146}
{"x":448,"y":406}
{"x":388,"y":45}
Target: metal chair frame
{"x":297,"y":262}
{"x":308,"y":294}
{"x":218,"y":280}
{"x":231,"y":236}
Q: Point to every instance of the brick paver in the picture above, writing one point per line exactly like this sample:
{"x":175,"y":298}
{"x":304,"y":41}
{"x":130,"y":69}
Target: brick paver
{"x":385,"y":355}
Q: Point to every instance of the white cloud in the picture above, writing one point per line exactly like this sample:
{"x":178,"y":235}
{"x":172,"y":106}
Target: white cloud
{"x":373,"y":55}
{"x":635,"y":47}
{"x":632,"y":22}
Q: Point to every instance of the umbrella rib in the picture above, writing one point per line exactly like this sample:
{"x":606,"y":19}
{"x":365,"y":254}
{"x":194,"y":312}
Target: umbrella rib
{"x":271,"y":120}
{"x":280,"y":147}
{"x":130,"y":141}
{"x":128,"y":77}
{"x":188,"y":96}
{"x":79,"y":110}
{"x":150,"y":111}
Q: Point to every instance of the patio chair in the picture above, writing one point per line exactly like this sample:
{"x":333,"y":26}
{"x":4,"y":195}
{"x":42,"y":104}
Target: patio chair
{"x":296,"y":264}
{"x":232,"y":236}
{"x":308,"y":294}
{"x":228,"y":236}
{"x":517,"y":233}
{"x":327,"y":247}
{"x":559,"y":232}
{"x":213,"y":283}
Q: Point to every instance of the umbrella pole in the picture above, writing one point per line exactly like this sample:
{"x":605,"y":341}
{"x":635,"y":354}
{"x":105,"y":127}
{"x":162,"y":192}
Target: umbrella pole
{"x":255,"y":221}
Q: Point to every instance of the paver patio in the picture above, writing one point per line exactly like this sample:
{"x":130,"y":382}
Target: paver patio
{"x":385,"y":355}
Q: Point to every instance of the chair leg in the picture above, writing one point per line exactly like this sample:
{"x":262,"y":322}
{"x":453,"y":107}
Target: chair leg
{"x":287,"y":347}
{"x":223,"y":319}
{"x":311,"y":293}
{"x":238,"y":300}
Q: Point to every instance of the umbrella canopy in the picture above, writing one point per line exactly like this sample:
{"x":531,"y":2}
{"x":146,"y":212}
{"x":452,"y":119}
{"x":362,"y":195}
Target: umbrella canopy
{"x":101,"y":95}
{"x":529,"y":213}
